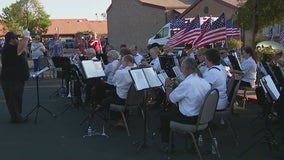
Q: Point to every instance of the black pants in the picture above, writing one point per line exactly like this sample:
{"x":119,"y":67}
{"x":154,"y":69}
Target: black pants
{"x":173,"y":115}
{"x":13,"y":92}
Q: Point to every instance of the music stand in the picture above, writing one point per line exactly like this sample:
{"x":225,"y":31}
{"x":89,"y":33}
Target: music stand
{"x":64,"y":64}
{"x":38,"y":105}
{"x":144,"y":79}
{"x":235,"y":61}
{"x":271,"y":94}
{"x":167,"y":63}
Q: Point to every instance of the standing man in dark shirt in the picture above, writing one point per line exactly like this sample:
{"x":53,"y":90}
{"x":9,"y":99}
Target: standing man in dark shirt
{"x":15,"y":72}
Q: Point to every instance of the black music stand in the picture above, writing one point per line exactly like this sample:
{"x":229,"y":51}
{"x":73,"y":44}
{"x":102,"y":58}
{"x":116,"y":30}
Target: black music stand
{"x":144,"y":79}
{"x":38,"y":105}
{"x":167,"y":63}
{"x":271,"y":94}
{"x":91,"y":70}
{"x":64,"y":64}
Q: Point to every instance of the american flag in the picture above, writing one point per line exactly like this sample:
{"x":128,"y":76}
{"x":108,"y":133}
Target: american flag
{"x":192,"y":31}
{"x":216,"y":33}
{"x":178,"y":23}
{"x":281,"y":37}
{"x":173,"y":41}
{"x":232,"y":31}
{"x":205,"y":27}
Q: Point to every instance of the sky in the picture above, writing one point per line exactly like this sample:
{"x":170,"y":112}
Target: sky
{"x":65,"y":9}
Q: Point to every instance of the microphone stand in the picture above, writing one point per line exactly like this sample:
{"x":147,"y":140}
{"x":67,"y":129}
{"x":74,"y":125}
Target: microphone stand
{"x":38,"y":105}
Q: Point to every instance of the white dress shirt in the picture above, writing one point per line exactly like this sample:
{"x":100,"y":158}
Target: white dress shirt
{"x":122,"y":82}
{"x":190,"y":95}
{"x":217,"y":77}
{"x":138,"y":58}
{"x":109,"y":70}
{"x":155,"y":63}
{"x":249,"y":69}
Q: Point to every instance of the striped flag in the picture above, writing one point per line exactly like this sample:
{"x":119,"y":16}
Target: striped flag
{"x":281,"y":37}
{"x":192,"y":31}
{"x":178,"y":23}
{"x":205,"y":27}
{"x":232,"y":31}
{"x":176,"y":38}
{"x":215,"y":33}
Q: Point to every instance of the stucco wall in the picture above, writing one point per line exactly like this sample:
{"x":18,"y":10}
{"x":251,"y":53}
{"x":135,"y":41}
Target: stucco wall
{"x":214,"y":9}
{"x":130,"y":22}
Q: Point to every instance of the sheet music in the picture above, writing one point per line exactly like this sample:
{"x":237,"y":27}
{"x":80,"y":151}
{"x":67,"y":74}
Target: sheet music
{"x":270,"y":86}
{"x":236,"y":56}
{"x":93,"y":69}
{"x":162,"y":77}
{"x":152,"y":77}
{"x":139,"y":79}
{"x":178,"y":73}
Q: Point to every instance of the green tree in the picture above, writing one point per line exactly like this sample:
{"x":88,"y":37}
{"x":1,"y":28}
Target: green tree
{"x":25,"y":14}
{"x":255,"y":15}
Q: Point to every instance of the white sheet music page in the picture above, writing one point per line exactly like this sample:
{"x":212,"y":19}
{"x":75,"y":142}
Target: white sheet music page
{"x":139,"y":79}
{"x":178,"y":73}
{"x":163,"y":76}
{"x":93,"y":69}
{"x":152,"y":77}
{"x":273,"y":91}
{"x":235,"y":54}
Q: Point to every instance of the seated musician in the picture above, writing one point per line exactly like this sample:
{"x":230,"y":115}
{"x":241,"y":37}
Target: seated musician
{"x":189,"y":94}
{"x":216,"y":76}
{"x":122,"y":82}
{"x":155,"y":62}
{"x":249,"y":68}
{"x":100,"y":87}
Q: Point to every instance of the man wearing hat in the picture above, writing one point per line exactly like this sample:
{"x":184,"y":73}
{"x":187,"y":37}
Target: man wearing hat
{"x":15,"y":71}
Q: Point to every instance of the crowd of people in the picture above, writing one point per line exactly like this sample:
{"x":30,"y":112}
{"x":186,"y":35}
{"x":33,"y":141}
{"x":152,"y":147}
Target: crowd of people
{"x":203,"y":69}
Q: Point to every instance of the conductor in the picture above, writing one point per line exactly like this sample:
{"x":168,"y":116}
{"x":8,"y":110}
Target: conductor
{"x":15,"y":72}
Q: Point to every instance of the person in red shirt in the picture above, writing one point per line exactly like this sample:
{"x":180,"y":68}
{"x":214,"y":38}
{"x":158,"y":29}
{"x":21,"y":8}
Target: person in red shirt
{"x":95,"y":43}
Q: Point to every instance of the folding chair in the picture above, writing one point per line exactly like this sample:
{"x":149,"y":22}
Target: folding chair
{"x":134,"y":100}
{"x":205,"y":116}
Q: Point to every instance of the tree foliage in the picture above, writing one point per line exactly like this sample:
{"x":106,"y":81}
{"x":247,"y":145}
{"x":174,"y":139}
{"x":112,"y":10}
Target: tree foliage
{"x":25,"y":14}
{"x":267,"y":12}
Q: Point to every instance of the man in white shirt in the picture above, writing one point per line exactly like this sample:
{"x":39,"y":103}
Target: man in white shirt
{"x":216,"y":76}
{"x":189,"y":94}
{"x":249,"y":68}
{"x":122,"y":82}
{"x":137,"y":56}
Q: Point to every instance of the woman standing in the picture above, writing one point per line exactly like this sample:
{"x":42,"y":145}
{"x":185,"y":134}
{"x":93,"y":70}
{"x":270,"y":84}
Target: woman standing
{"x":37,"y":49}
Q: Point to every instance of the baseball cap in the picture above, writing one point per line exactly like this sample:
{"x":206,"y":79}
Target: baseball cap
{"x":113,"y":53}
{"x":10,"y":35}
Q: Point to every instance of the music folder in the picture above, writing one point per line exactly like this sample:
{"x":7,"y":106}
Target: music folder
{"x":145,"y":78}
{"x":92,"y":69}
{"x":235,"y":61}
{"x":269,"y":87}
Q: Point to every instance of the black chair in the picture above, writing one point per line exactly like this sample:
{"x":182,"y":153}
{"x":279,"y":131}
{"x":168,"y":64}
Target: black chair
{"x":134,"y":100}
{"x":206,"y":115}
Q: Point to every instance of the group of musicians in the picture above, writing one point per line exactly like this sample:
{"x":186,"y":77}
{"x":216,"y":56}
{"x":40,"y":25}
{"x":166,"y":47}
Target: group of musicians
{"x":203,"y":69}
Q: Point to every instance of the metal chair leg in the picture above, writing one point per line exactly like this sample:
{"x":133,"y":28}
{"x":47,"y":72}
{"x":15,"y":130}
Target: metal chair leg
{"x":216,"y":147}
{"x":125,"y":123}
{"x":196,"y":146}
